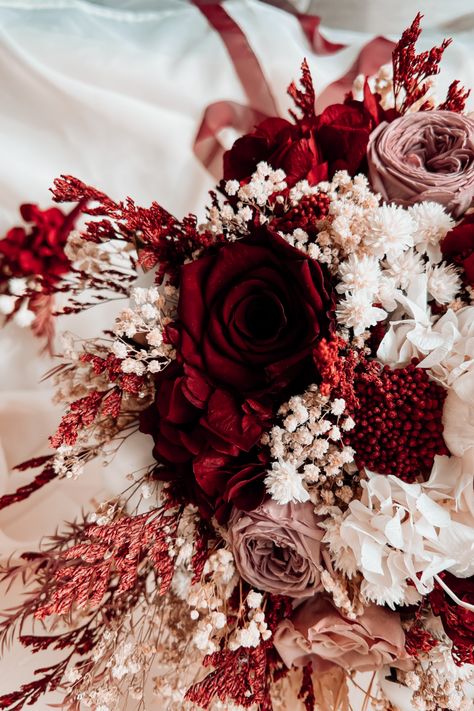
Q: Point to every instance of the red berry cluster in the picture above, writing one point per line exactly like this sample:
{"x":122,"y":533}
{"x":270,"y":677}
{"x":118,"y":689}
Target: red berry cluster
{"x":399,"y":426}
{"x":305,"y":214}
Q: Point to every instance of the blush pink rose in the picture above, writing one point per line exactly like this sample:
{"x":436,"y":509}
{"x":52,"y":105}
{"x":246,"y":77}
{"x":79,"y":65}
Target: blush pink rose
{"x":277,"y":548}
{"x":318,"y":633}
{"x":425,"y":156}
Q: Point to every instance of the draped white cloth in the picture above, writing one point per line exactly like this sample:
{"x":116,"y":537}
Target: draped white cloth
{"x":113,"y":92}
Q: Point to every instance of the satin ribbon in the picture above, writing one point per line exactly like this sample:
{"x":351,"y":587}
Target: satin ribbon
{"x":310,"y":26}
{"x":369,"y":60}
{"x":208,"y":146}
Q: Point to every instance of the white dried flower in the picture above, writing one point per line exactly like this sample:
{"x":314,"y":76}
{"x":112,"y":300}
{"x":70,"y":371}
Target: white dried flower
{"x":7,"y":304}
{"x":404,"y":268}
{"x":390,"y":231}
{"x":359,"y":274}
{"x":338,"y":406}
{"x":17,"y":286}
{"x":232,"y":187}
{"x":432,"y":223}
{"x":129,"y":365}
{"x":119,"y":349}
{"x":284,"y":483}
{"x":444,"y":283}
{"x":254,"y":599}
{"x":356,"y":311}
{"x":24,"y":317}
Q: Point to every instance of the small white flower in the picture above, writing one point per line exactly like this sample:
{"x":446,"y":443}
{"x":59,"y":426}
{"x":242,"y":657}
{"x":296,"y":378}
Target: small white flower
{"x":356,"y":312}
{"x":245,"y":213}
{"x":24,"y":317}
{"x":444,"y":283}
{"x":232,"y":187}
{"x":133,"y":366}
{"x":148,"y":312}
{"x":140,"y":295}
{"x":338,"y":406}
{"x":390,"y":231}
{"x":348,"y":424}
{"x":7,"y":304}
{"x":285,"y":484}
{"x":404,"y":268}
{"x":387,"y":293}
{"x":155,"y":337}
{"x":17,"y":286}
{"x":119,"y":349}
{"x":254,"y":600}
{"x":154,"y":366}
{"x":219,"y":620}
{"x":432,"y":224}
{"x":359,"y":274}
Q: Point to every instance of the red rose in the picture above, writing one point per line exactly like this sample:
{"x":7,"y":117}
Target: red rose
{"x":281,"y":144}
{"x":40,"y":250}
{"x":250,"y":314}
{"x":343,"y":132}
{"x":458,"y":247}
{"x":203,"y":436}
{"x":458,"y":622}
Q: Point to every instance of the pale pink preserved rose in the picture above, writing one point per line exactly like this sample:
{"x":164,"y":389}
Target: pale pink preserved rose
{"x":277,"y":548}
{"x":320,"y":634}
{"x":424,"y":156}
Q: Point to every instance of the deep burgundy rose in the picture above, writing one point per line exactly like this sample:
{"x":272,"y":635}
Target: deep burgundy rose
{"x":458,"y":247}
{"x":458,"y":622}
{"x":38,"y":250}
{"x":204,"y":438}
{"x":343,"y":132}
{"x":251,"y":313}
{"x":281,"y":144}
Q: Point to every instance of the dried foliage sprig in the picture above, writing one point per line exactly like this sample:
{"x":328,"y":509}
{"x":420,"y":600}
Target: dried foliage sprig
{"x":411,"y":72}
{"x":161,"y":240}
{"x":92,"y":576}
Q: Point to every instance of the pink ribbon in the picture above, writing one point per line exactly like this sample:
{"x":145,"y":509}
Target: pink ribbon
{"x":310,"y":26}
{"x":208,"y":146}
{"x":369,"y":60}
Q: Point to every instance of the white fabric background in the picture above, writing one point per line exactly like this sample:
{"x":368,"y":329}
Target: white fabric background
{"x":113,"y":92}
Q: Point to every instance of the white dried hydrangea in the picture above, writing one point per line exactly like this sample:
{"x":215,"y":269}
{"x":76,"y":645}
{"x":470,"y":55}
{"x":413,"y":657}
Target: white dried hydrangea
{"x":399,"y":536}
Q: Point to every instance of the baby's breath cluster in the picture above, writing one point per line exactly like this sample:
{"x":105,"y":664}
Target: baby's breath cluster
{"x":141,"y":324}
{"x":208,"y":600}
{"x":310,"y":460}
{"x":437,"y":682}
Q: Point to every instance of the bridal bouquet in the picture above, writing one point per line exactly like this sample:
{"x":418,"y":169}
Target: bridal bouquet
{"x":303,"y":366}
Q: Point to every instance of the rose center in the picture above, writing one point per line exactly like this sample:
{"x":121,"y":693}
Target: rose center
{"x":440,"y":152}
{"x":264,"y":317}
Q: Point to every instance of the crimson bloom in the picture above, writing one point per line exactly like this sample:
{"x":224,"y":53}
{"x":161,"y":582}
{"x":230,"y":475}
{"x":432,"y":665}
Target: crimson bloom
{"x":39,"y":250}
{"x":458,"y":247}
{"x":343,"y":132}
{"x":284,"y":145}
{"x":250,"y":314}
{"x":458,"y":622}
{"x":204,"y":438}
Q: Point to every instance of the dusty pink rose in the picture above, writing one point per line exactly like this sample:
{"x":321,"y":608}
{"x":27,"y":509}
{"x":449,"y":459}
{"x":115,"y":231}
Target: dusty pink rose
{"x":277,"y":548}
{"x":425,"y":156}
{"x":318,"y":633}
